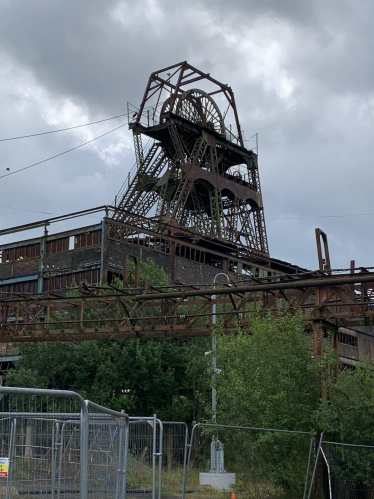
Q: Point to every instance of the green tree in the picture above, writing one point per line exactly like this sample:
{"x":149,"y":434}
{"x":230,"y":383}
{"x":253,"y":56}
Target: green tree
{"x":268,"y":379}
{"x":347,"y":414}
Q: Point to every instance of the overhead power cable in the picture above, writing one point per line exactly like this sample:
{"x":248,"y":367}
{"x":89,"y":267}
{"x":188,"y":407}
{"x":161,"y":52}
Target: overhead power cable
{"x":64,"y":152}
{"x":42,"y":212}
{"x":30,"y":211}
{"x":268,"y":219}
{"x":322,"y":216}
{"x":63,"y":129}
{"x":78,"y":126}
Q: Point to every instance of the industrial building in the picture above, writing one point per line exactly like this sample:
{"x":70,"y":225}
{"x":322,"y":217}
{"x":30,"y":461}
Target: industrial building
{"x":192,"y":203}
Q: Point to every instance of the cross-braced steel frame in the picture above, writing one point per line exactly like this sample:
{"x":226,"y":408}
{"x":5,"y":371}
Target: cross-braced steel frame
{"x":328,"y":301}
{"x":194,"y":172}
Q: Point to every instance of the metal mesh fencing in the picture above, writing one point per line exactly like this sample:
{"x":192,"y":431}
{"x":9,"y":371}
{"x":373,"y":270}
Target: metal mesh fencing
{"x":157,"y":457}
{"x":255,"y":463}
{"x":27,"y":454}
{"x":140,"y":458}
{"x":107,"y":448}
{"x":145,"y":457}
{"x":55,"y":444}
{"x":174,"y":459}
{"x":30,"y":429}
{"x":68,"y":460}
{"x":350,"y":470}
{"x":42,"y":451}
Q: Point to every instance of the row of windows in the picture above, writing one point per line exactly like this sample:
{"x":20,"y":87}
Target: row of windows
{"x":83,"y":240}
{"x":163,"y":246}
{"x":347,"y":339}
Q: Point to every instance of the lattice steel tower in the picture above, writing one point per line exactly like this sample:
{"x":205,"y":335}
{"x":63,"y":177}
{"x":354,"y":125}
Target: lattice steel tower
{"x":193,"y":176}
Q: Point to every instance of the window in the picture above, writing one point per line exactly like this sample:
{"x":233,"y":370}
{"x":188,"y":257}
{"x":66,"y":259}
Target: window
{"x":348,"y":339}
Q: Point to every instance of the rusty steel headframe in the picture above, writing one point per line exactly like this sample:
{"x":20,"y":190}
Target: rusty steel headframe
{"x":167,"y":85}
{"x":192,"y":170}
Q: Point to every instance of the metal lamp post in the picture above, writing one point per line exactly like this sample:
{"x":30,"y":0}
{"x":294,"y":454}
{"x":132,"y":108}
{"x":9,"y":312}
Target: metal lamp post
{"x":214,"y":348}
{"x":217,"y":476}
{"x":216,"y":451}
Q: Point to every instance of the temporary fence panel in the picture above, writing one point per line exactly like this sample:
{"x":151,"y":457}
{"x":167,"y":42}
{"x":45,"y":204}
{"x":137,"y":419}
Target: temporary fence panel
{"x":30,"y":429}
{"x":157,"y":457}
{"x":145,"y":457}
{"x":158,"y":453}
{"x":350,"y":470}
{"x":107,"y":448}
{"x":34,"y":458}
{"x":139,"y":469}
{"x":174,"y":459}
{"x":68,"y":459}
{"x":56,"y":444}
{"x":257,"y":463}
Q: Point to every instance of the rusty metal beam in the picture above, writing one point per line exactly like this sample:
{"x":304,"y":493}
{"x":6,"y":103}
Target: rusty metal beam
{"x":294,"y":284}
{"x":186,"y":312}
{"x":48,"y":221}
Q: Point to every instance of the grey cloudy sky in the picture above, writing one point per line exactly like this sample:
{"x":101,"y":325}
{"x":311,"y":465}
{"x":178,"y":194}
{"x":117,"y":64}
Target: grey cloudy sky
{"x":302,"y":73}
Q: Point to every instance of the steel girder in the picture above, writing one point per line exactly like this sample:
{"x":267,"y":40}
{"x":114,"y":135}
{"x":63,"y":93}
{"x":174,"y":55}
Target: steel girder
{"x":339,"y":300}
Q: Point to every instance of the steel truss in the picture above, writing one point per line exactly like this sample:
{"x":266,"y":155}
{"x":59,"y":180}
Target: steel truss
{"x":329,"y":300}
{"x":195,"y":172}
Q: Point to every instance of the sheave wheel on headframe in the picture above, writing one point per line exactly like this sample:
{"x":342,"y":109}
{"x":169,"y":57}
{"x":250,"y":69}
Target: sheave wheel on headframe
{"x":199,"y":107}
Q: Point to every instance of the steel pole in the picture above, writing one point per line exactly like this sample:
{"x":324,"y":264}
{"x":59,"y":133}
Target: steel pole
{"x":213,"y":453}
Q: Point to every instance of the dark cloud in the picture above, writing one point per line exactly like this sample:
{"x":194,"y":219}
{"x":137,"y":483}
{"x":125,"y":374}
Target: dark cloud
{"x":95,"y":52}
{"x":302,"y":73}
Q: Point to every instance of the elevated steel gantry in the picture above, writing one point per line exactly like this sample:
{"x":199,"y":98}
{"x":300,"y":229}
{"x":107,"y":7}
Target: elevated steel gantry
{"x":326,"y":301}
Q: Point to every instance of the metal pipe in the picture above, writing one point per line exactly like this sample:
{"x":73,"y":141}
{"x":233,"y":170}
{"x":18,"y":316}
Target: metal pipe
{"x":62,"y":434}
{"x":43,"y":223}
{"x":12,"y":443}
{"x":105,"y":410}
{"x":271,"y":430}
{"x":307,"y":468}
{"x":154,"y":457}
{"x":214,"y":349}
{"x":84,"y":451}
{"x":160,"y":457}
{"x":213,"y":456}
{"x":55,"y":432}
{"x":185,"y":462}
{"x":328,"y":472}
{"x":295,"y":284}
{"x":119,"y":463}
{"x":315,"y":466}
{"x":348,"y":445}
{"x":214,"y":370}
{"x":125,"y":458}
{"x":189,"y":459}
